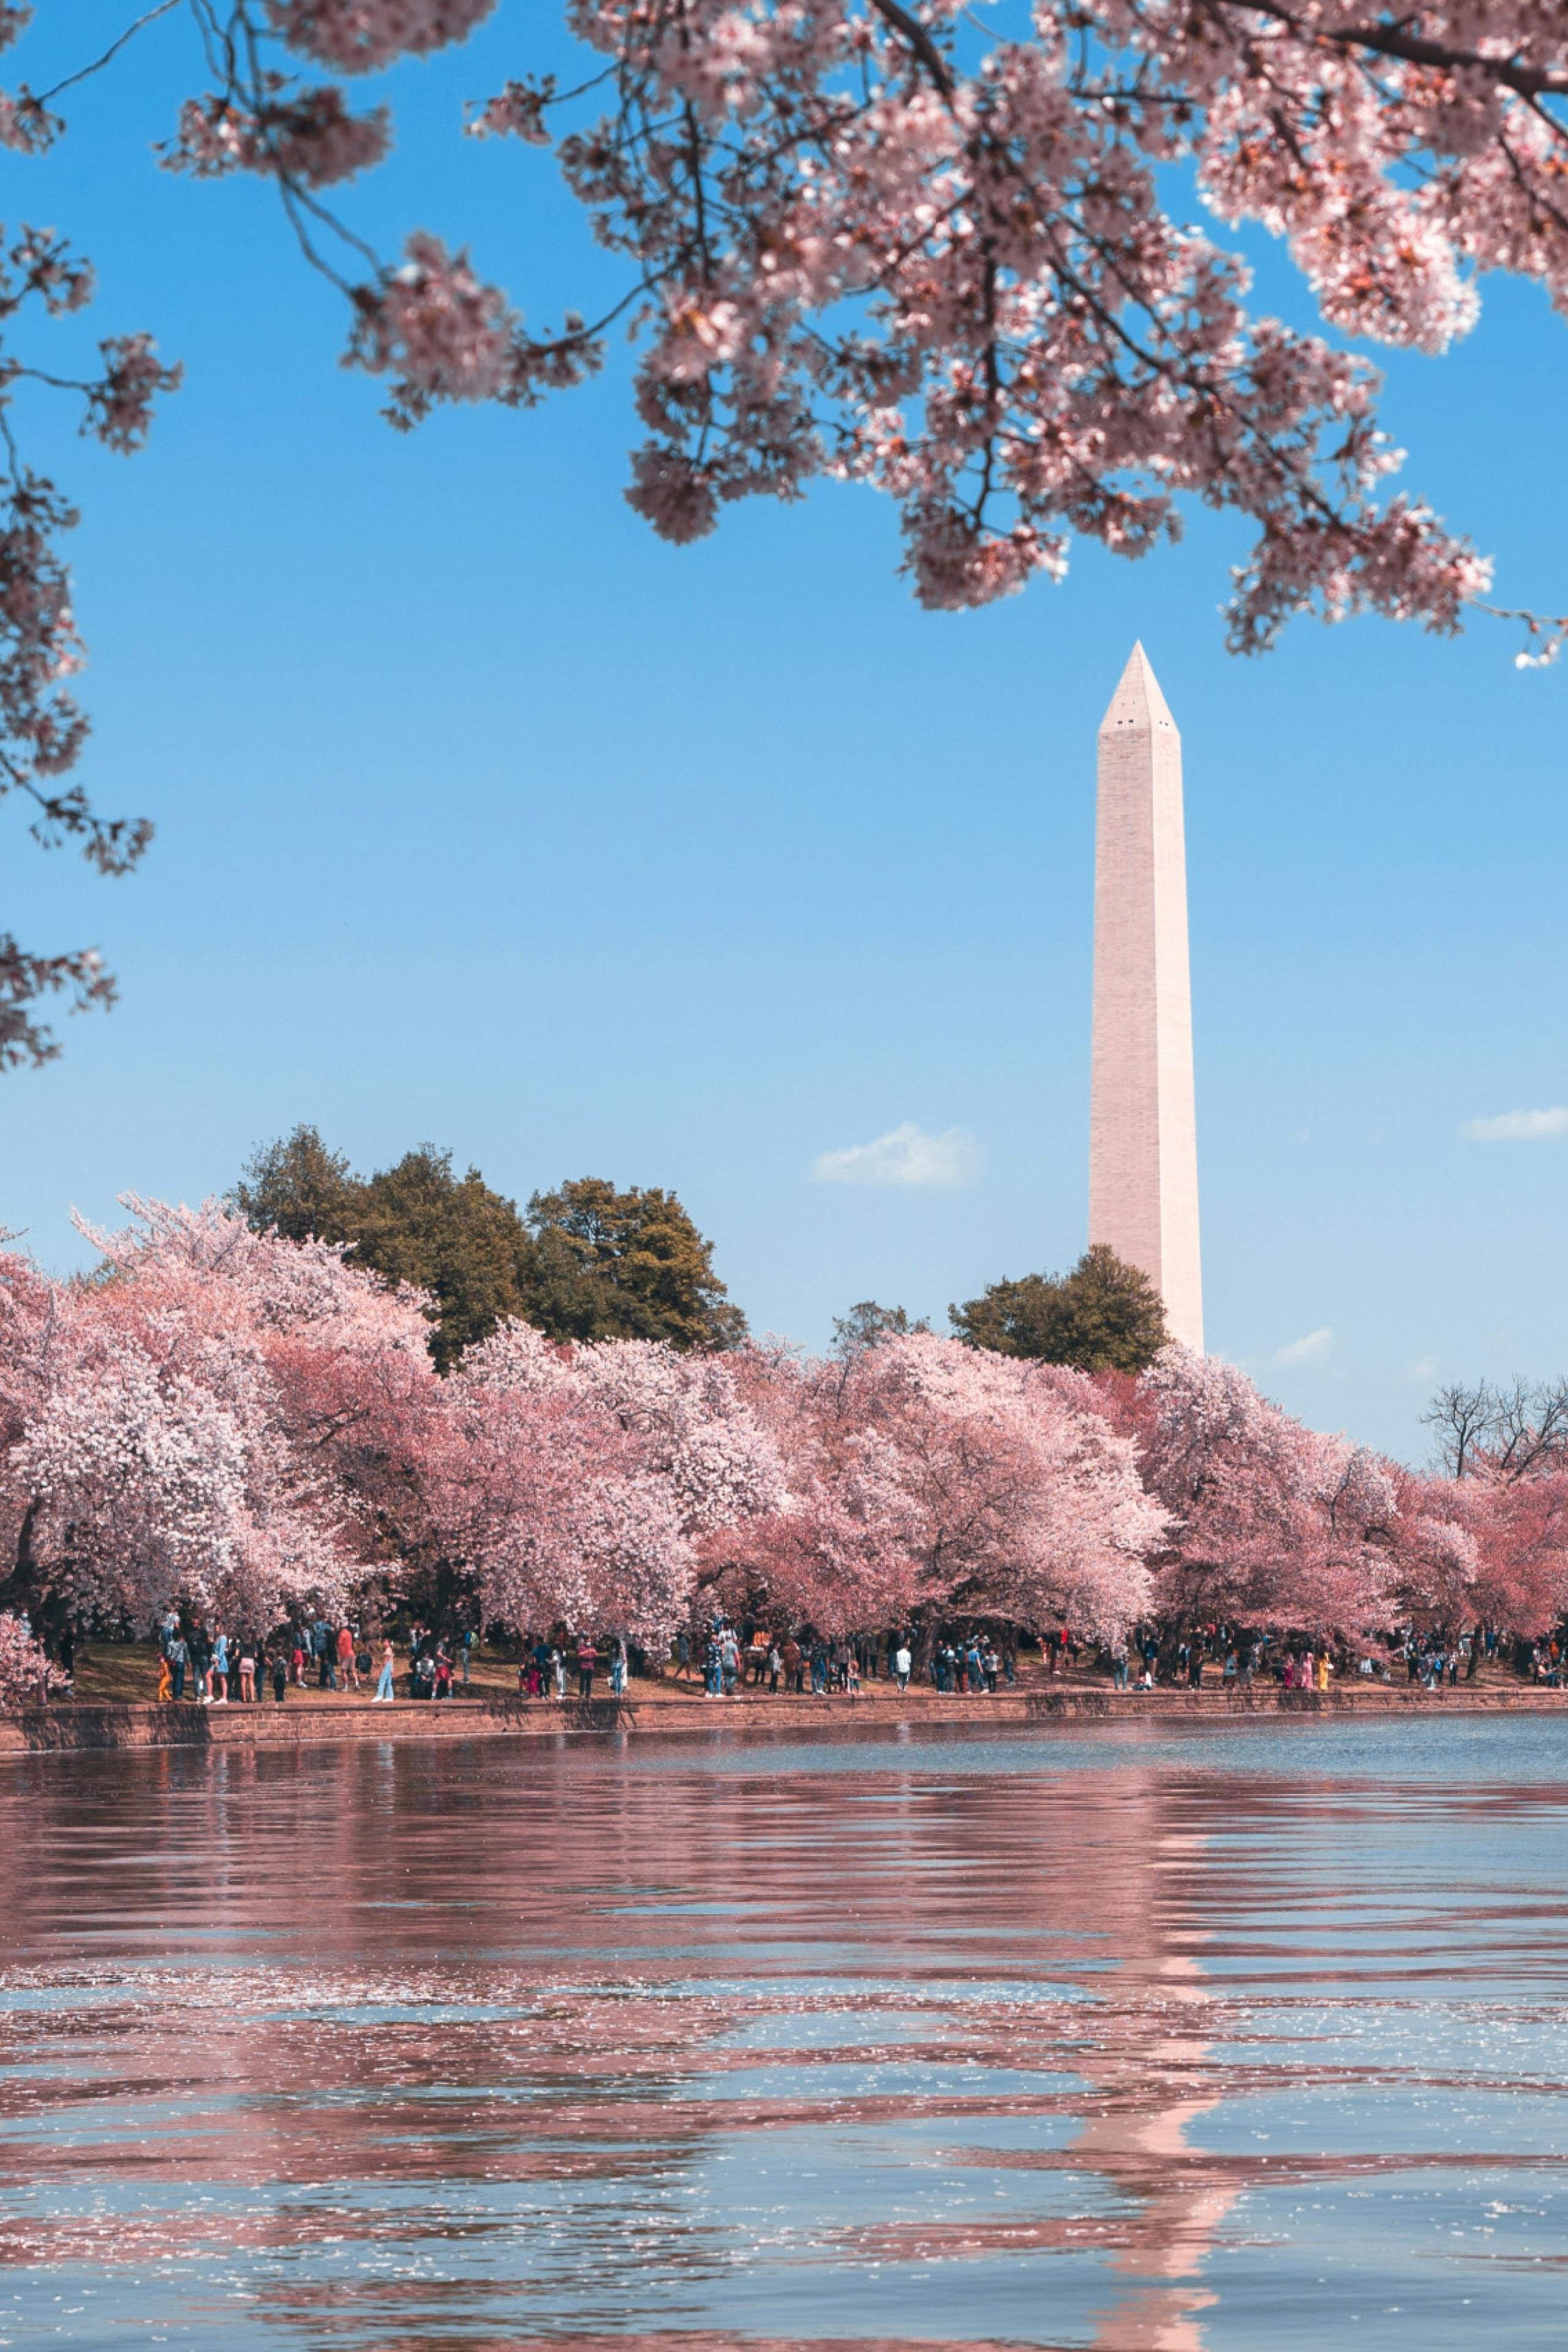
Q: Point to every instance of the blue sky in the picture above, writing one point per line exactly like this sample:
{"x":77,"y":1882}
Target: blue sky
{"x":485,"y":818}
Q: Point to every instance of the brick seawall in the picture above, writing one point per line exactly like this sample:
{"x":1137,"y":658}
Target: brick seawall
{"x":84,"y":1726}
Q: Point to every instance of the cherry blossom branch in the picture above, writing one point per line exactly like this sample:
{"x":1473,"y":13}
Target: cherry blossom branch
{"x":42,"y":730}
{"x":25,"y":979}
{"x":1550,"y":632}
{"x":845,"y":251}
{"x":912,"y":31}
{"x":1389,"y":41}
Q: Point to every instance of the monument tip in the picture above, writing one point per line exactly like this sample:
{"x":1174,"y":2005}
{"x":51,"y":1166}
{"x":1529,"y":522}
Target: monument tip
{"x":1137,"y":701}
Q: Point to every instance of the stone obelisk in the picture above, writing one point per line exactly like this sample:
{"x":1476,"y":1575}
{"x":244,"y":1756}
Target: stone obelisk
{"x":1144,"y":1145}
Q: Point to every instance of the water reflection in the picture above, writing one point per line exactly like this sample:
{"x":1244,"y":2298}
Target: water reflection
{"x":1093,"y":2040}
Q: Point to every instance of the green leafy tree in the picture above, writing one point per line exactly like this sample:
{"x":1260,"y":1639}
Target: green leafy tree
{"x":415,"y":1223}
{"x":867,"y":1325}
{"x":624,"y":1265}
{"x":1104,"y":1317}
{"x":300,"y":1187}
{"x":589,"y":1263}
{"x":450,"y":1235}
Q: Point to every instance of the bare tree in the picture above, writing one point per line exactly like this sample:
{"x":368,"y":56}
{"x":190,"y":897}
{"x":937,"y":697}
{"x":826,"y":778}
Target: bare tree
{"x":1517,"y":1429}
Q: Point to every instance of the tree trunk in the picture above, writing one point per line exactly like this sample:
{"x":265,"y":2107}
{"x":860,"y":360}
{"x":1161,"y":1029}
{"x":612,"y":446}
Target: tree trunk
{"x":19,"y":1590}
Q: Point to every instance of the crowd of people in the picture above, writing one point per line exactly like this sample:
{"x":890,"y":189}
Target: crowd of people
{"x":208,"y":1666}
{"x":205,"y":1664}
{"x":547,"y":1665}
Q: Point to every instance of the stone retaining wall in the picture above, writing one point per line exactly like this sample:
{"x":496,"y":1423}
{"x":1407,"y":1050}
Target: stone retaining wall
{"x":79,"y":1725}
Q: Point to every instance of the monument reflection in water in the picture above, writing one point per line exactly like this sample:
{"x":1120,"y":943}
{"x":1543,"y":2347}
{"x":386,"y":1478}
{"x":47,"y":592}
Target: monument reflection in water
{"x":1127,"y":2039}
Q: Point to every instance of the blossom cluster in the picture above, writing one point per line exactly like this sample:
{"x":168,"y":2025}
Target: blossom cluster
{"x":884,"y":242}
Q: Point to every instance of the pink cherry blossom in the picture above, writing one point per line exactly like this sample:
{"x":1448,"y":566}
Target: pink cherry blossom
{"x":926,"y":1476}
{"x":309,"y":139}
{"x":27,"y":1673}
{"x":358,"y":36}
{"x":437,"y":330}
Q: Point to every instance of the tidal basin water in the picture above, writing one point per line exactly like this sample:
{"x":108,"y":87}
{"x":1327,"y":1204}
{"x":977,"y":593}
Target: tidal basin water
{"x":1133,"y":2037}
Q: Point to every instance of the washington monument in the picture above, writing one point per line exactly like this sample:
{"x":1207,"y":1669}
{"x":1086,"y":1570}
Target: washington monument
{"x":1142,"y":1139}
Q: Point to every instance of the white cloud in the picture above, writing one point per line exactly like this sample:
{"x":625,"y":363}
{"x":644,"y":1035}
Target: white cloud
{"x":1310,"y":1351}
{"x":1425,"y":1368}
{"x":905,"y":1155}
{"x":1518,"y":1126}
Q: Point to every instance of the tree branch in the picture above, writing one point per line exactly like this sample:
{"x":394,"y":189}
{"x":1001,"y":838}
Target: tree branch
{"x":1389,"y":41}
{"x":920,"y":41}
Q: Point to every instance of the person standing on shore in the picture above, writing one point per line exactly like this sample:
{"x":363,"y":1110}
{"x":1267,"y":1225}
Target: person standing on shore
{"x":1118,"y":1664}
{"x":279,"y":1664}
{"x":588,"y":1659}
{"x":903,"y":1666}
{"x":384,"y":1689}
{"x":248,"y":1676}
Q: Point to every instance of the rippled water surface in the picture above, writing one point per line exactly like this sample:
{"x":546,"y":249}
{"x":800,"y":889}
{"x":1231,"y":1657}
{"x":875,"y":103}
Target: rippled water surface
{"x":1129,"y":2038}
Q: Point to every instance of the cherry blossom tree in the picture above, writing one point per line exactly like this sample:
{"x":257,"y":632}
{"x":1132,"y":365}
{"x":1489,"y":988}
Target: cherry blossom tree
{"x":546,"y":1502}
{"x":928,"y":1477}
{"x":346,"y":1352}
{"x":1505,"y":1450}
{"x":1438,"y":1577}
{"x":1278,"y":1526}
{"x":884,"y":241}
{"x":26,"y":1671}
{"x":200,"y":1425}
{"x":582,"y":1480}
{"x":692,"y":1426}
{"x":1506,"y":1459}
{"x":1521,"y":1535}
{"x":1272,"y":1523}
{"x":152,"y":1482}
